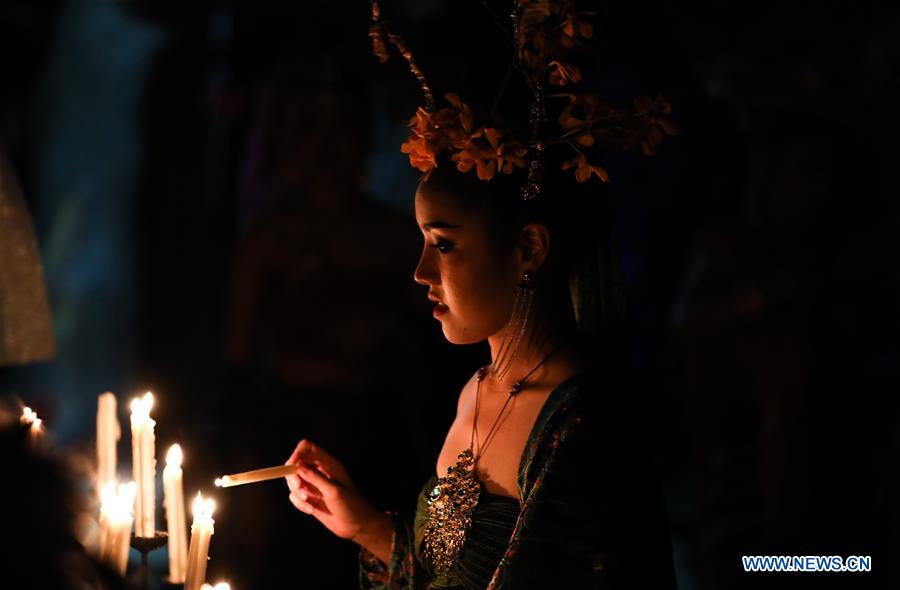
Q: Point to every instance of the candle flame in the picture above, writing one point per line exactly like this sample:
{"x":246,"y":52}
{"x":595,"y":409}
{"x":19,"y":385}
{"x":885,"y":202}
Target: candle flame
{"x":203,"y":507}
{"x":141,"y":406}
{"x":174,"y":457}
{"x":222,"y":586}
{"x":118,"y":505}
{"x":218,"y":482}
{"x":107,"y":493}
{"x":29,"y":416}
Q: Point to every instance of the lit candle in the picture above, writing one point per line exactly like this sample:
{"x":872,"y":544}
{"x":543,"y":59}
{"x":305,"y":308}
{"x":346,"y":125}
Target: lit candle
{"x":237,"y":479}
{"x":31,"y":418}
{"x":106,"y":500}
{"x":219,"y":586}
{"x":143,"y":452}
{"x":108,"y":434}
{"x":173,"y":500}
{"x":201,"y":534}
{"x":115,"y":512}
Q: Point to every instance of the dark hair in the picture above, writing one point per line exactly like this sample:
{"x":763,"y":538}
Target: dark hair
{"x":582,"y":265}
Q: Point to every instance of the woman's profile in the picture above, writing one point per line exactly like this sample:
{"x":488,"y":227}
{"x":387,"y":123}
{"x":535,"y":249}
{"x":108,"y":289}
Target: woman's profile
{"x":542,"y":480}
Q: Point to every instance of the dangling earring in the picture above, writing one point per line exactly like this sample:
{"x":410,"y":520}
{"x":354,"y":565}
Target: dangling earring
{"x":515,"y":329}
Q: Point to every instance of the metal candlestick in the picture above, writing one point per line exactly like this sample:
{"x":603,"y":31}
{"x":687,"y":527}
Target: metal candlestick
{"x":145,"y":545}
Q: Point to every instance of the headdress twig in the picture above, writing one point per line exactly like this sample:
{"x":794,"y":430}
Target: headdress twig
{"x":546,"y":35}
{"x":381,"y":29}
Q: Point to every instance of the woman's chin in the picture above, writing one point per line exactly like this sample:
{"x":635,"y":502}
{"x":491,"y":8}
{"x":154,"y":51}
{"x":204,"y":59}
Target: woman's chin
{"x":457,"y":336}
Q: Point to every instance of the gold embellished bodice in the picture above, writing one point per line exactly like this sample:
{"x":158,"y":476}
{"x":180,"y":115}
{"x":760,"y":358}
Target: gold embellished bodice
{"x":451,"y":503}
{"x":480,"y":549}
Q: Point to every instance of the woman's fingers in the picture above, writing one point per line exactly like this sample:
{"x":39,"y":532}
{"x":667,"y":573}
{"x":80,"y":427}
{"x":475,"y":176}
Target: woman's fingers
{"x":299,"y":500}
{"x":324,"y":469}
{"x":306,"y":450}
{"x":309,"y":488}
{"x":293,"y":481}
{"x":298,"y":453}
{"x":326,"y":487}
{"x":309,"y":504}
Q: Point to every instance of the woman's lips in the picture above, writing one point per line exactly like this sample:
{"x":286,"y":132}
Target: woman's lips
{"x":439,"y":309}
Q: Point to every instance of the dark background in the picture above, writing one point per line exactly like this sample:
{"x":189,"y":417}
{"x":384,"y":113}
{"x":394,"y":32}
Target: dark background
{"x":225,"y":219}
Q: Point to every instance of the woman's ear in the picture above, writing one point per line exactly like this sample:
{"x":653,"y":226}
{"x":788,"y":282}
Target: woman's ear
{"x":533,"y":245}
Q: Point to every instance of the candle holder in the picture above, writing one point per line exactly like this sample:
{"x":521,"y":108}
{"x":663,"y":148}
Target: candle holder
{"x":145,"y":545}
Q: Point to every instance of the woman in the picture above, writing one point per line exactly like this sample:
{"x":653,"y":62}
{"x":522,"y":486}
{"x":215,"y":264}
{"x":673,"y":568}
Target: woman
{"x":540,"y":481}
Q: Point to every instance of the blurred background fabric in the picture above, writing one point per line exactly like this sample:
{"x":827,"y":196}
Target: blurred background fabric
{"x":26,"y":329}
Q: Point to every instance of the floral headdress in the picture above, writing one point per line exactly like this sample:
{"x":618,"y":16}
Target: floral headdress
{"x":548,"y":36}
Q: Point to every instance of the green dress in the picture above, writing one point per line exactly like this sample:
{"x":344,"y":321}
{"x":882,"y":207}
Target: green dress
{"x":592,"y":514}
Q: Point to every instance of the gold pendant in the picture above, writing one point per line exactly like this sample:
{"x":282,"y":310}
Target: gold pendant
{"x":451,"y":503}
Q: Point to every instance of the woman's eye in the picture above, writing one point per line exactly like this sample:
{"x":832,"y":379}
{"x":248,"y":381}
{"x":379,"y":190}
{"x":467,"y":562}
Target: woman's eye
{"x":443,"y":246}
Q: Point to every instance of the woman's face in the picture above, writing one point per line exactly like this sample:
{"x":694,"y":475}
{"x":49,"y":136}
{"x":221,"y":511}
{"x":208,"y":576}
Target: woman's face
{"x":471,"y":281}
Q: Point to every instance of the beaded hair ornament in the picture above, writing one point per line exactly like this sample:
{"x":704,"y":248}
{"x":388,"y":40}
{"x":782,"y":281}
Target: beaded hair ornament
{"x":549,"y":37}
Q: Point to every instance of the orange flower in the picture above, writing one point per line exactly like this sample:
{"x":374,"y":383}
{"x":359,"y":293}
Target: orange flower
{"x":474,"y":155}
{"x":574,"y":27}
{"x":562,"y":74}
{"x":508,"y":151}
{"x":655,"y":115}
{"x":432,"y":132}
{"x":421,"y":154}
{"x":585,"y":128}
{"x":424,"y":143}
{"x":584,"y":169}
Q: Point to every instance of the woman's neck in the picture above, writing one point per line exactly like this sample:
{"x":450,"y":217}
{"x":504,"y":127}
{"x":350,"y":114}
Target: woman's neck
{"x":533,"y":352}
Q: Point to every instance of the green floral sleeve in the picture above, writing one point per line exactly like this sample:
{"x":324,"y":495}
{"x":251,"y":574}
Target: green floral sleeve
{"x":401,"y":573}
{"x":593,"y":517}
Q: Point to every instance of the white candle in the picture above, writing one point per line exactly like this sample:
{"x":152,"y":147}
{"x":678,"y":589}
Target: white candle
{"x":106,"y":500}
{"x":115,"y":511}
{"x":108,"y":434}
{"x":120,"y":525}
{"x":238,"y":479}
{"x":173,"y":499}
{"x":201,"y":534}
{"x":143,"y":453}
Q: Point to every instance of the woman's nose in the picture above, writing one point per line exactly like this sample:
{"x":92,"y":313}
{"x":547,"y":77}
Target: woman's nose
{"x":425,"y":272}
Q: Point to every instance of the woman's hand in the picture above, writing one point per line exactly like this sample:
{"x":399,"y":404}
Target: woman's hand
{"x":323,"y":488}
